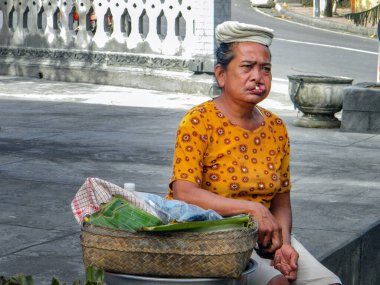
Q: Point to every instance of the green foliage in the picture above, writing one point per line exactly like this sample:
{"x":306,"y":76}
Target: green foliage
{"x":344,"y":3}
{"x":18,"y":279}
{"x":55,"y":281}
{"x":307,"y":3}
{"x":94,"y":276}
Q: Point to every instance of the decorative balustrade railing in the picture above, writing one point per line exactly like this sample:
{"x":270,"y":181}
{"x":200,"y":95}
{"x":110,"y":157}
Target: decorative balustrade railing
{"x":167,"y":34}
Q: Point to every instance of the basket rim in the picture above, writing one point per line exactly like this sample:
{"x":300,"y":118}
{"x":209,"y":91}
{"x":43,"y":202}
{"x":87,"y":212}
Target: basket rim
{"x":99,"y":230}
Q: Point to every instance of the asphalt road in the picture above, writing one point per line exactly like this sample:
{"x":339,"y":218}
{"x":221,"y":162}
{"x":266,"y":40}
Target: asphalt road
{"x":300,"y":49}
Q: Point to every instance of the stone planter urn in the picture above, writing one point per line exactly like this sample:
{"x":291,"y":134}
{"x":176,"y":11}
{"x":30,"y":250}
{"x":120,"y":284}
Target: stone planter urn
{"x":318,"y":98}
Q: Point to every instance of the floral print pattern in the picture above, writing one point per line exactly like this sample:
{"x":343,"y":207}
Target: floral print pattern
{"x":226,"y":159}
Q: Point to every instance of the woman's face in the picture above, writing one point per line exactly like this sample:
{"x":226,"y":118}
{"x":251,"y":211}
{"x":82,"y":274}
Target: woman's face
{"x":248,"y":76}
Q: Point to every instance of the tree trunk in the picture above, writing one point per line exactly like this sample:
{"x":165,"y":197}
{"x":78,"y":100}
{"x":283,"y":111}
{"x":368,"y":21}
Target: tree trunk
{"x":328,"y":8}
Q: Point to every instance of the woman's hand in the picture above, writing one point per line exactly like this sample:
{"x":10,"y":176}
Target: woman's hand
{"x":285,"y":260}
{"x":270,"y":235}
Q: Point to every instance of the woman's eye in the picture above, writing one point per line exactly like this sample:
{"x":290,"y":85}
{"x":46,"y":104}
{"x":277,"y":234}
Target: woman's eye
{"x":267,"y":69}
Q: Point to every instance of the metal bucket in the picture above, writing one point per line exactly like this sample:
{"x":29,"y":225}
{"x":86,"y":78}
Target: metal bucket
{"x":125,"y":279}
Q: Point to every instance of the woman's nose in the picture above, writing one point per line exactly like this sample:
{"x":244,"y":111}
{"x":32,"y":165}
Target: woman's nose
{"x":255,"y":74}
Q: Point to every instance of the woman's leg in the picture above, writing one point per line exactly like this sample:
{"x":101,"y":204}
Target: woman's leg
{"x":310,"y":270}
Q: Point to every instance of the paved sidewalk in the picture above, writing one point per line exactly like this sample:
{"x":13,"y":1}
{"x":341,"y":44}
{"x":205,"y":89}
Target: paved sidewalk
{"x":302,"y":14}
{"x":55,"y":134}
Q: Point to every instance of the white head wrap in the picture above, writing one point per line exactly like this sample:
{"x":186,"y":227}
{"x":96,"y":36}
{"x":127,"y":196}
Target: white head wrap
{"x":233,"y":31}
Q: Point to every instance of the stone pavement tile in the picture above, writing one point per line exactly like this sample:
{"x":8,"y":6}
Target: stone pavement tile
{"x":74,"y":172}
{"x":370,"y":190}
{"x":121,"y":140}
{"x":19,"y":237}
{"x":35,"y":192}
{"x":47,"y":216}
{"x":67,"y":116}
{"x":9,"y":158}
{"x":323,"y":148}
{"x":331,"y":225}
{"x":330,"y":157}
{"x":371,"y":143}
{"x":26,"y":118}
{"x":55,"y":91}
{"x":42,"y":235}
{"x":8,"y":101}
{"x":92,"y":145}
{"x":24,"y":134}
{"x":342,"y":186}
{"x":36,"y":203}
{"x":333,"y":137}
{"x":347,"y":215}
{"x":44,"y":267}
{"x":67,"y":245}
{"x":66,"y":250}
{"x":64,"y":140}
{"x":32,"y":85}
{"x":321,"y":242}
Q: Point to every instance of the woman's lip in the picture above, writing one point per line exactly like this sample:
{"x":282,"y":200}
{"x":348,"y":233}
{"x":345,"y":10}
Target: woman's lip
{"x":256,"y":91}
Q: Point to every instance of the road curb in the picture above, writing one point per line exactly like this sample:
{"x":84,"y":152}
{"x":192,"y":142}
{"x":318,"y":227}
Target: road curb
{"x":322,"y":22}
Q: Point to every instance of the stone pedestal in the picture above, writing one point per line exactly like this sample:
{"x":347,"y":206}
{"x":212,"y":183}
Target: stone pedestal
{"x":361,"y":108}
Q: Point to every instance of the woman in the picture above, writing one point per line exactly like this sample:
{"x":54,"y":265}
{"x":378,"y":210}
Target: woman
{"x":232,"y":156}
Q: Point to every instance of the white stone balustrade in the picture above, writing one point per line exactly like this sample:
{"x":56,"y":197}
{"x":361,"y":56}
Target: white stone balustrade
{"x":139,"y":38}
{"x":167,"y":27}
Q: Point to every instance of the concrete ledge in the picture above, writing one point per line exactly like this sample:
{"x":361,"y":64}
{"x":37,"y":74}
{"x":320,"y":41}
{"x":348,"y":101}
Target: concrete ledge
{"x":181,"y":82}
{"x":159,"y":73}
{"x":358,"y":261}
{"x":361,"y":108}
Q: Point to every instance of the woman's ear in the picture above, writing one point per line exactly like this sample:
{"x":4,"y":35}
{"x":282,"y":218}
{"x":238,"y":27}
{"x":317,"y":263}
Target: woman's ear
{"x":220,"y":75}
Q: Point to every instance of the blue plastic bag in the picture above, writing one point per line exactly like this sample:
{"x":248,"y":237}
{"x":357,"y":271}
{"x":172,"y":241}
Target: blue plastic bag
{"x":170,"y":210}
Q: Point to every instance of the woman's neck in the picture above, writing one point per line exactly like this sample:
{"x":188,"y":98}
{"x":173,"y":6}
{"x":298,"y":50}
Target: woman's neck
{"x":246,"y":116}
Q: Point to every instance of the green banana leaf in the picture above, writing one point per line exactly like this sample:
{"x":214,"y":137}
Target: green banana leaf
{"x":122,"y":215}
{"x":241,"y":221}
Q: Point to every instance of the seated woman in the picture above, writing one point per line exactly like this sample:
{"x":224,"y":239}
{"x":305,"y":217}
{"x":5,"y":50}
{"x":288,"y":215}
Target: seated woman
{"x":232,"y":156}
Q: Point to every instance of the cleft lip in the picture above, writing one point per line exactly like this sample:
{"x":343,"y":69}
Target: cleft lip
{"x":257,"y":89}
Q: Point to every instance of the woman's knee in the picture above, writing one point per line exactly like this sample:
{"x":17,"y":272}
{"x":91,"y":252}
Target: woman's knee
{"x":278,"y":280}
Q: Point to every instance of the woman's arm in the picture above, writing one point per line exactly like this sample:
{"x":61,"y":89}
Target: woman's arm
{"x":282,"y":211}
{"x":286,"y":257}
{"x":270,"y":236}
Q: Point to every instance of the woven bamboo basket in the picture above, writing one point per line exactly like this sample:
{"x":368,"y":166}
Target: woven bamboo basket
{"x":223,"y":253}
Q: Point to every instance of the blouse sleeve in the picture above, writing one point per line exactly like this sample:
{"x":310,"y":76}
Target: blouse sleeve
{"x":190,"y":148}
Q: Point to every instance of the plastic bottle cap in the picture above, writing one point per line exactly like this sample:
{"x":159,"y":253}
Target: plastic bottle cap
{"x":130,"y":186}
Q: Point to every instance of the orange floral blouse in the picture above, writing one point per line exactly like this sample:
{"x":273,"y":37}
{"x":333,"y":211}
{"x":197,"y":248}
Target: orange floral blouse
{"x":230,"y":161}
